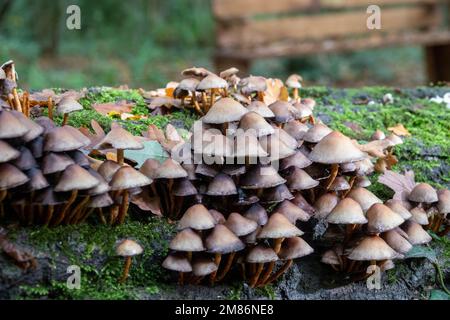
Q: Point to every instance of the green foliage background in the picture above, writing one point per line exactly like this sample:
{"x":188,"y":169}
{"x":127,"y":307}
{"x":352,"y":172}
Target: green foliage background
{"x":147,"y":42}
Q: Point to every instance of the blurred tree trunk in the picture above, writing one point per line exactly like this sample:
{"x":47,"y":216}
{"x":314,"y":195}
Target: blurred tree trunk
{"x":49,"y":33}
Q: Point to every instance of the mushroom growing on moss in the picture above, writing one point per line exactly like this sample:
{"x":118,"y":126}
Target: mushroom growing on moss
{"x":128,"y":249}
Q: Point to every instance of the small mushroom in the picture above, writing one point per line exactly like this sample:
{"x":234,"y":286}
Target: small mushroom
{"x":128,"y":249}
{"x":68,"y":105}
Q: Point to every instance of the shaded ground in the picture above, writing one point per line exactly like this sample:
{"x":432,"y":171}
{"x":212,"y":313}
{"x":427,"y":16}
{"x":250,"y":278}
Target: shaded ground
{"x":91,"y":246}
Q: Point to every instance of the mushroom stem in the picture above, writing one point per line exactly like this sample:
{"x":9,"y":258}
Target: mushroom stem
{"x":261,"y":96}
{"x":312,"y":195}
{"x":334,"y":267}
{"x":181,"y":278}
{"x":227,"y":266}
{"x":349,"y":229}
{"x":351,"y":266}
{"x":213,"y":96}
{"x":49,"y":215}
{"x":87,"y":214}
{"x":73,"y":218}
{"x":195,"y":103}
{"x":204,"y":102}
{"x":333,"y":175}
{"x":437,"y":224}
{"x":243,"y":271}
{"x":277,"y":245}
{"x":280,"y":271}
{"x":217,"y":258}
{"x":255,"y":277}
{"x":3,"y":194}
{"x":124,"y":207}
{"x":102,"y":216}
{"x":50,"y":108}
{"x":126,"y":270}
{"x":120,"y":156}
{"x":295,"y":93}
{"x":351,"y":182}
{"x":267,"y":273}
{"x":198,"y":280}
{"x":66,"y":207}
{"x":65,"y":119}
{"x":312,"y":120}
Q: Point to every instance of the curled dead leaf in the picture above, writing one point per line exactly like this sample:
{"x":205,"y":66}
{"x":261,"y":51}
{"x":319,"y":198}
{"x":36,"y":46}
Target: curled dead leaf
{"x":399,"y":130}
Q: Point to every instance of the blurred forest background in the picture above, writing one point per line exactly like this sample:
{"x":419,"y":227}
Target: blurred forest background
{"x":145,"y":43}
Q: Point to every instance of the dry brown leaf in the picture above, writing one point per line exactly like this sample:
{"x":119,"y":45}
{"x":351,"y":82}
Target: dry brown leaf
{"x":111,"y":156}
{"x":273,"y":90}
{"x":118,"y":106}
{"x":401,"y":184}
{"x":399,"y":130}
{"x":20,"y":257}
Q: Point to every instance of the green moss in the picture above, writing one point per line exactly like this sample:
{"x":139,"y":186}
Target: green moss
{"x":82,"y":245}
{"x":266,"y":291}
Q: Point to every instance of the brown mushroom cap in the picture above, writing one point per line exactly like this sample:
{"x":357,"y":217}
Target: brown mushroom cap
{"x":7,"y":153}
{"x":26,"y":160}
{"x":206,"y":170}
{"x":128,"y":248}
{"x":257,"y":213}
{"x":372,"y":248}
{"x":277,"y":194}
{"x":252,"y":238}
{"x":11,"y":177}
{"x":212,"y":81}
{"x":378,"y":135}
{"x":396,"y":241}
{"x":75,"y":178}
{"x":218,"y":217}
{"x":336,"y":148}
{"x":423,"y":192}
{"x":100,"y":201}
{"x":223,"y":240}
{"x":293,"y":81}
{"x":300,"y":180}
{"x":61,"y":139}
{"x":301,"y":111}
{"x":48,"y":197}
{"x":225,"y":110}
{"x":170,"y":169}
{"x":394,"y":139}
{"x":330,"y":257}
{"x":128,"y":178}
{"x":301,"y":202}
{"x":282,"y":111}
{"x":279,"y":226}
{"x":296,"y":129}
{"x":108,"y":168}
{"x":150,"y":168}
{"x":298,"y":160}
{"x":198,"y":72}
{"x":255,"y":124}
{"x":213,"y":143}
{"x":203,"y":266}
{"x":101,"y":188}
{"x":275,"y":147}
{"x":221,"y":185}
{"x":119,"y":138}
{"x":247,"y":145}
{"x":187,"y":240}
{"x":339,"y":184}
{"x":183,"y":188}
{"x":34,"y":129}
{"x":347,"y":211}
{"x":316,"y":133}
{"x":416,"y":234}
{"x":325,"y":204}
{"x":382,"y":219}
{"x":67,"y":105}
{"x":241,"y":226}
{"x":80,"y":158}
{"x":228,"y":72}
{"x":292,"y":212}
{"x":387,"y":265}
{"x":261,"y":176}
{"x":10,"y":126}
{"x":364,"y":197}
{"x":197,"y":217}
{"x":294,"y":248}
{"x":37,"y":180}
{"x":252,"y":84}
{"x":419,"y":215}
{"x":261,"y":109}
{"x":397,"y":207}
{"x":55,"y":162}
{"x":177,"y":263}
{"x":362,"y":182}
{"x":189,"y":84}
{"x":444,"y":201}
{"x":261,"y":254}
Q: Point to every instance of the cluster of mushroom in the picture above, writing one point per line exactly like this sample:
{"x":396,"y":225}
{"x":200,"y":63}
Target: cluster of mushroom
{"x":243,"y":170}
{"x":378,"y":233}
{"x":46,"y":177}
